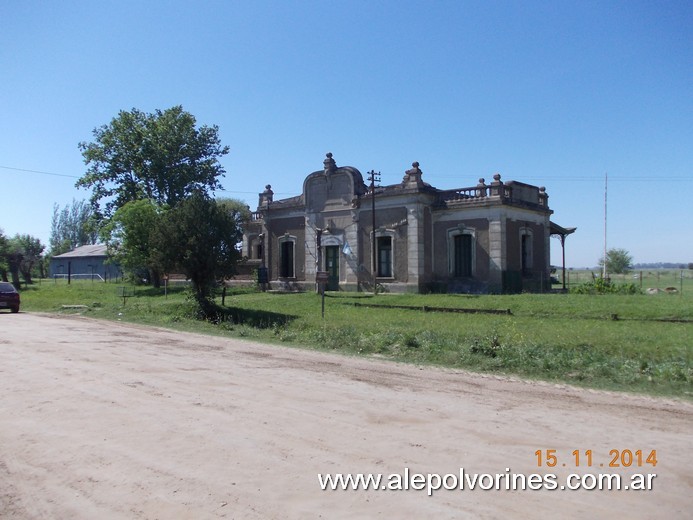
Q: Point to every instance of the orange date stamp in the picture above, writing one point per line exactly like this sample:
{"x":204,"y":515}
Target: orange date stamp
{"x":587,"y":458}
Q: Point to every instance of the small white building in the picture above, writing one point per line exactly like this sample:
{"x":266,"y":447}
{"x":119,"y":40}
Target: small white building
{"x":84,"y":262}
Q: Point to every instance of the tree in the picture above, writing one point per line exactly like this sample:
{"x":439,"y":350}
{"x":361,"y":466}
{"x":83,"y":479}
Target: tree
{"x":4,"y":249}
{"x":71,"y":227}
{"x":20,"y":254}
{"x":128,"y":237}
{"x":28,"y":251}
{"x":13,"y":257}
{"x":237,"y":207}
{"x":618,"y":261}
{"x":238,"y":210}
{"x":198,"y":237}
{"x":162,"y":157}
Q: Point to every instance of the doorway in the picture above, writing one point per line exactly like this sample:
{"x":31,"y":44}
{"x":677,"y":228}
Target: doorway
{"x":332,"y":267}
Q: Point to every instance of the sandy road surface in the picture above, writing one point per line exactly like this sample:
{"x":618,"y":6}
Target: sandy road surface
{"x":106,"y":420}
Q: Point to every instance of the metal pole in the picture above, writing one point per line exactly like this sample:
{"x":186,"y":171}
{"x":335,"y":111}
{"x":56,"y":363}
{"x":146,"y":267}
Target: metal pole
{"x":263,"y":267}
{"x":373,"y":177}
{"x":606,"y":179}
{"x":318,"y":263}
{"x":374,"y":253}
{"x":563,"y":253}
{"x":269,"y":246}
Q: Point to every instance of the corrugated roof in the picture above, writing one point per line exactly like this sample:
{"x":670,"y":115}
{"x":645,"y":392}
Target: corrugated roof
{"x":85,"y":251}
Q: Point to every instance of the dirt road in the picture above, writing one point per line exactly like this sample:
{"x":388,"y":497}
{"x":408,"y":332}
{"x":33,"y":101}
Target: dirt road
{"x":107,"y":420}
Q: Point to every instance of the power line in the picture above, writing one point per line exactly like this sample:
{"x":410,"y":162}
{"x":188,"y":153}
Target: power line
{"x":291,"y":193}
{"x":624,"y":178}
{"x":77,"y":177}
{"x":39,"y":171}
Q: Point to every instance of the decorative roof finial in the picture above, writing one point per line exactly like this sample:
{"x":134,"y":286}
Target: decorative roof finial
{"x":329,"y":164}
{"x":412,"y":177}
{"x":267,"y":196}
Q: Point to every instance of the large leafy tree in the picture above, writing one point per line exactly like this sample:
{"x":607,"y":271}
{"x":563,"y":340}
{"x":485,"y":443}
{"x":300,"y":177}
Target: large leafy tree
{"x":198,"y":237}
{"x":128,"y":237}
{"x":161,"y":156}
{"x":72,"y":226}
{"x":618,"y":261}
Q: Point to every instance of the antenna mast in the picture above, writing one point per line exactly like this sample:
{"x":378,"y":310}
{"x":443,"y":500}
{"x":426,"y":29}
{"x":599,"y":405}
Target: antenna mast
{"x":606,"y":180}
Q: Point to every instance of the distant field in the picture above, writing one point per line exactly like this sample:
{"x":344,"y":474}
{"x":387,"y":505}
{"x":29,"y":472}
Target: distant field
{"x":639,"y":343}
{"x":645,"y":278}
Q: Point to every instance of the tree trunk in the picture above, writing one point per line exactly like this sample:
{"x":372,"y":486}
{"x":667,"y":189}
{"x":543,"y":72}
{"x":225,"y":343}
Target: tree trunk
{"x":26,"y":274}
{"x":14,"y":260}
{"x":155,"y":277}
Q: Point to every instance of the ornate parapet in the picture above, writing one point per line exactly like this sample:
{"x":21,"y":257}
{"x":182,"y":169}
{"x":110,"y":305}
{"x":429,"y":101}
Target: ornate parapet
{"x":412,"y":177}
{"x":512,"y":192}
{"x":266,"y":197}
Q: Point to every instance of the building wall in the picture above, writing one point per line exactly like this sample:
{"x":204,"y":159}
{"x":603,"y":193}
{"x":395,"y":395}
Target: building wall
{"x":422,"y":222}
{"x":279,"y":228}
{"x":443,"y":230}
{"x":533,"y":276}
{"x":388,"y":222}
{"x":81,"y":267}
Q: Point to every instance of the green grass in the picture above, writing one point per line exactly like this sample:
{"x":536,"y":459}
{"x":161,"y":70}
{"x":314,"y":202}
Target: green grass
{"x":636,"y":343}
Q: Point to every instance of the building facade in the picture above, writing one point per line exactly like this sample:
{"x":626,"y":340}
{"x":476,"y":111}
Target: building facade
{"x":84,"y":262}
{"x":488,"y":238}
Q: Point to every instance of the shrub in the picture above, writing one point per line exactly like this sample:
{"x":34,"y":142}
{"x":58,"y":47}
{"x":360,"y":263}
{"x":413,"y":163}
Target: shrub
{"x":604,"y":286}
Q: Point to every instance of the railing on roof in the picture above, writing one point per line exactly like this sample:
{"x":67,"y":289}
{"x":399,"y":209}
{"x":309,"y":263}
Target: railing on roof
{"x":475,"y":193}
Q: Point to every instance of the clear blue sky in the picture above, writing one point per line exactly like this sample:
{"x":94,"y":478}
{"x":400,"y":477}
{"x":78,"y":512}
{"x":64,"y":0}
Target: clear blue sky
{"x":551,"y":93}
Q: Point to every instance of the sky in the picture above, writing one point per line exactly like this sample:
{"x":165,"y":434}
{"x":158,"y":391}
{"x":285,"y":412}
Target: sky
{"x":556,"y":94}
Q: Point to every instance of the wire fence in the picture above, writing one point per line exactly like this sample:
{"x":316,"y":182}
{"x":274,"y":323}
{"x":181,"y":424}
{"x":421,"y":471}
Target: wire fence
{"x":645,"y":278}
{"x":82,"y":276}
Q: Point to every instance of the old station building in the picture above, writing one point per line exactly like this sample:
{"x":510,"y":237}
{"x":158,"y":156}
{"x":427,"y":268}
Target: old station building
{"x":488,"y":238}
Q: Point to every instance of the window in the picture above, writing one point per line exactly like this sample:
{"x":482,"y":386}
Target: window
{"x":461,"y":251}
{"x":286,"y":259}
{"x":384,"y":245}
{"x":462,"y":255}
{"x":526,"y":247}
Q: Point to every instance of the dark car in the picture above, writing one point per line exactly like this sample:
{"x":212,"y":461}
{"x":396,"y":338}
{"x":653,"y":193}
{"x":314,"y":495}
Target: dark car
{"x":9,"y":297}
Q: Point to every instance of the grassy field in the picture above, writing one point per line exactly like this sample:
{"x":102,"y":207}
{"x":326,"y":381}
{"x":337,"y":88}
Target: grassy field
{"x":635,"y":343}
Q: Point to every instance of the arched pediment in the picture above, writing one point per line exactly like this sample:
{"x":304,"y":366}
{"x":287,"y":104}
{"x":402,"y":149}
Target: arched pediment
{"x":333,"y":187}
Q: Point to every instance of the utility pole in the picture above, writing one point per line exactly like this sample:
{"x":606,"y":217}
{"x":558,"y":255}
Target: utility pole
{"x":318,"y":260}
{"x":606,"y":181}
{"x":373,"y":178}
